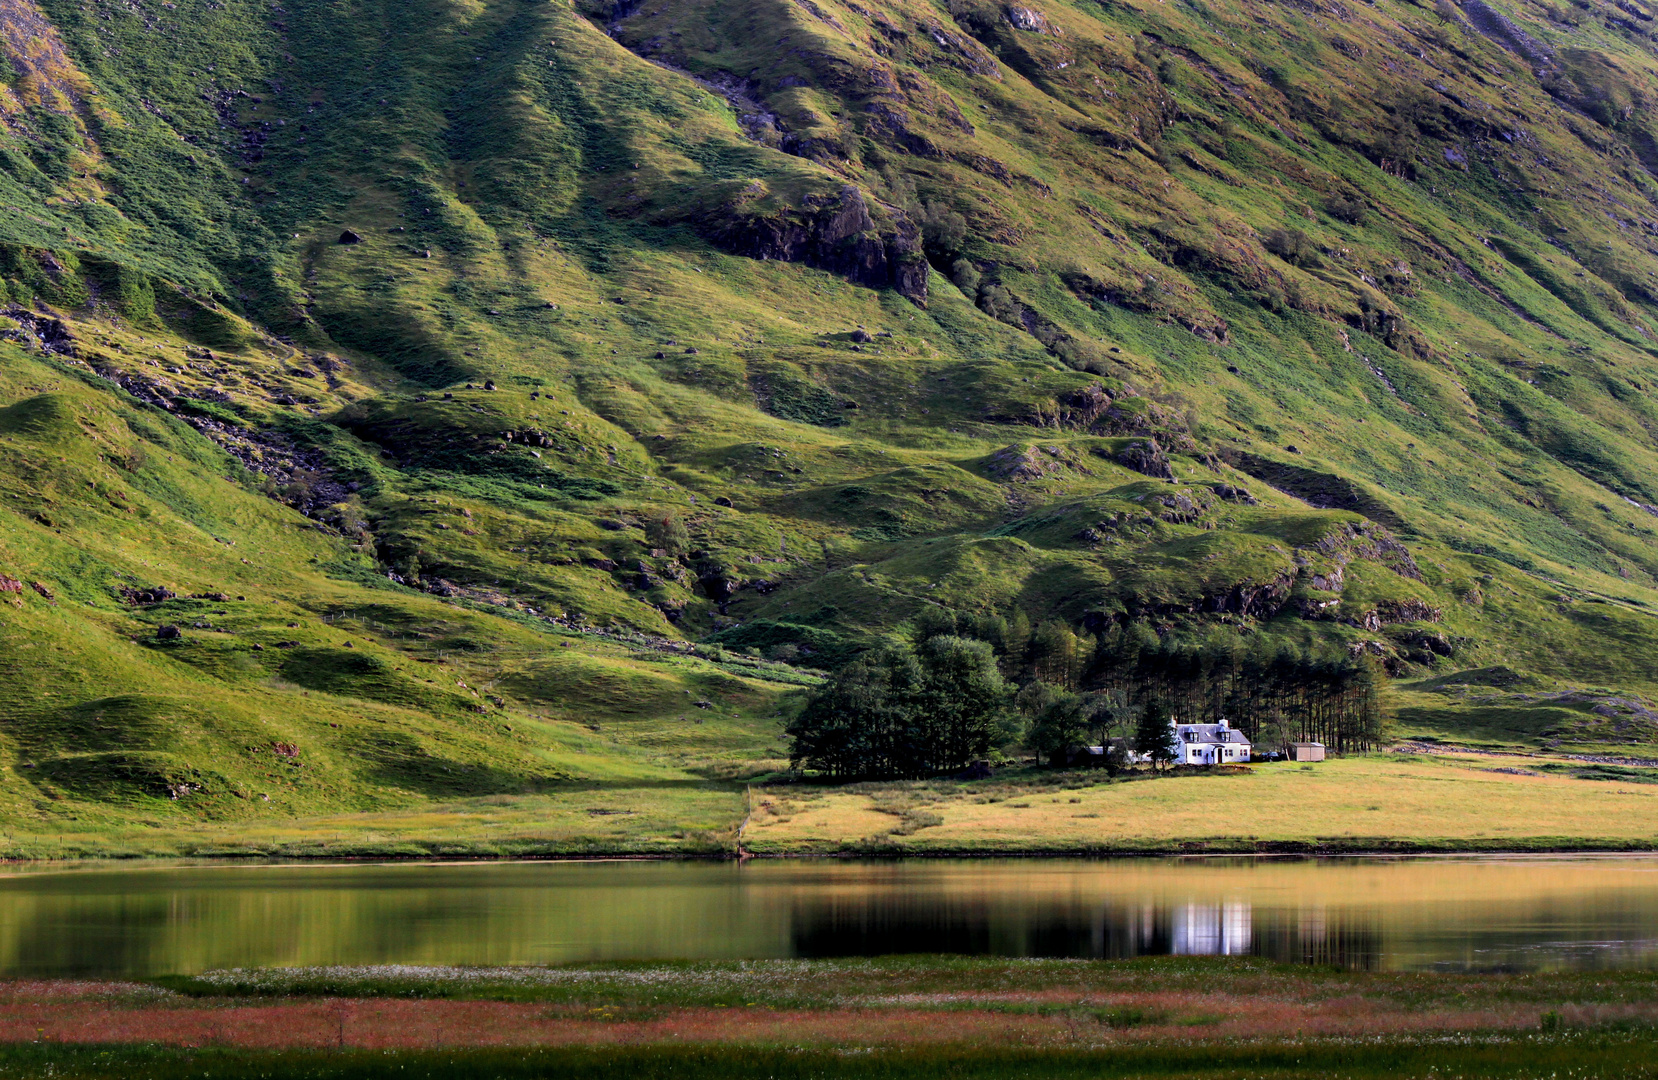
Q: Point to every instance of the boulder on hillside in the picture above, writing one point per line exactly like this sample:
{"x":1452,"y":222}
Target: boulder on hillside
{"x":138,"y":597}
{"x":168,"y":632}
{"x":349,"y":237}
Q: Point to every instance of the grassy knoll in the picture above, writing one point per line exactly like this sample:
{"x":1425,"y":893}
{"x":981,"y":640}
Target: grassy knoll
{"x":895,"y":1017}
{"x":1374,"y":802}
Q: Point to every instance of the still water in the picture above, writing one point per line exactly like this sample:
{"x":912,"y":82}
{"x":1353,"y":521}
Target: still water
{"x":1533,"y":913}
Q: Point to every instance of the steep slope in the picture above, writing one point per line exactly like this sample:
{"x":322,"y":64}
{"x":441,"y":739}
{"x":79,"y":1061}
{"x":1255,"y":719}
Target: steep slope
{"x":781,"y":322}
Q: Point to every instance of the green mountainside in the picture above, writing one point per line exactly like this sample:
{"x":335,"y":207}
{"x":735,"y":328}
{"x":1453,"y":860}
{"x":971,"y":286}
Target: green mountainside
{"x":502,"y":396}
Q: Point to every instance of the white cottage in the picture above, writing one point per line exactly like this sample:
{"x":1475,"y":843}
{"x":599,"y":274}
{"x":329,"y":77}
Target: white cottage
{"x":1210,"y":744}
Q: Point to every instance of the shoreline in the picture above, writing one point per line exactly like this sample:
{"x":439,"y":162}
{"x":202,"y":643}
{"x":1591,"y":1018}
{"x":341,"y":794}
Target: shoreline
{"x":1183,"y":850}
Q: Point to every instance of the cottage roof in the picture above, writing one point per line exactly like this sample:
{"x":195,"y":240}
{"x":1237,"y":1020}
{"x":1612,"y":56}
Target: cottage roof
{"x":1210,"y":733}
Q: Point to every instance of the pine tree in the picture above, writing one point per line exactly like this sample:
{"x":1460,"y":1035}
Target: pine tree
{"x":1154,"y":737}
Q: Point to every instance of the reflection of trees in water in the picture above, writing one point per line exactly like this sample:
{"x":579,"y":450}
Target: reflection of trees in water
{"x":876,"y":925}
{"x":1318,"y":936}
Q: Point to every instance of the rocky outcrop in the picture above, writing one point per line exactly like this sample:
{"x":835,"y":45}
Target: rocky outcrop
{"x":38,"y":331}
{"x":1374,"y":543}
{"x":1145,"y":456}
{"x":834,"y":233}
{"x":1179,"y":507}
{"x":1245,"y":599}
{"x":1501,"y":29}
{"x":1027,"y":19}
{"x":1389,"y":612}
{"x":1082,"y":407}
{"x":1023,"y":463}
{"x":1235,"y":494}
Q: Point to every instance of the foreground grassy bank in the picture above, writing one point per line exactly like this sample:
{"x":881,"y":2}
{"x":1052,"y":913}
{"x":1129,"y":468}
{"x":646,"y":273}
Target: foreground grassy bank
{"x":892,"y":1017}
{"x":1534,"y":1056}
{"x":1397,"y":802}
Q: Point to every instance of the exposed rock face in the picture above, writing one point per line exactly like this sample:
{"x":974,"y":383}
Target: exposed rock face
{"x":1499,"y":28}
{"x":1424,"y":645}
{"x":1082,"y":407}
{"x":1376,"y":544}
{"x":1145,"y":456}
{"x":1027,"y":19}
{"x":40,"y":331}
{"x":1178,"y":507}
{"x":284,"y":460}
{"x":1016,"y":463}
{"x":719,"y":588}
{"x":1402,"y":611}
{"x":1247,"y":599}
{"x":837,"y":234}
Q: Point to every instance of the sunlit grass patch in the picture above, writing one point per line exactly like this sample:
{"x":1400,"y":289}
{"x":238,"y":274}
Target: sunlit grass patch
{"x":1374,"y":802}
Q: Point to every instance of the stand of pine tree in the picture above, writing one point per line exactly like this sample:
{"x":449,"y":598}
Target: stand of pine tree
{"x":1275,"y":693}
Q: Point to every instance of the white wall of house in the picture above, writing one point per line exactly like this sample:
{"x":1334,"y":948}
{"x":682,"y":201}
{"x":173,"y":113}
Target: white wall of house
{"x":1206,"y":744}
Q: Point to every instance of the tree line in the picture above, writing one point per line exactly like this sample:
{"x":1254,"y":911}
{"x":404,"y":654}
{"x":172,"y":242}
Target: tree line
{"x":967,"y":688}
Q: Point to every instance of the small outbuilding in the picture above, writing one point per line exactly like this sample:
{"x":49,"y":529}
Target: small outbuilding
{"x":1307,"y":751}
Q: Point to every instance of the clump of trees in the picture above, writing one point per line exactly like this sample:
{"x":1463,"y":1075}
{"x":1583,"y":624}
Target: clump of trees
{"x":905,"y":712}
{"x":969,"y":685}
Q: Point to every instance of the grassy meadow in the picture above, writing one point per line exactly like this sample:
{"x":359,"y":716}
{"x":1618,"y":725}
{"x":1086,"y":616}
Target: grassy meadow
{"x":1400,"y":802}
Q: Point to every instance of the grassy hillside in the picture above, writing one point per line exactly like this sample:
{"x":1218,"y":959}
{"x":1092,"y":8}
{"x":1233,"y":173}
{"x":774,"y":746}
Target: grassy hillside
{"x":599,"y":373}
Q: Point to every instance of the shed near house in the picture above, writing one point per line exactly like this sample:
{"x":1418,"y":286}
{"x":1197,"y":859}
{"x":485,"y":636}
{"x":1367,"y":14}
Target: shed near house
{"x":1307,"y":751}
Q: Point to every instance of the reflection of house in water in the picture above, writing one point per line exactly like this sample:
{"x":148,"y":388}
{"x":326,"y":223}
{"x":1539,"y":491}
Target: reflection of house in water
{"x":1211,"y":929}
{"x":883,"y":923}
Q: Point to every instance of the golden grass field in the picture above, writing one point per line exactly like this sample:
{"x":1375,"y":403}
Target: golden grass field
{"x":1392,"y":801}
{"x":1369,"y":801}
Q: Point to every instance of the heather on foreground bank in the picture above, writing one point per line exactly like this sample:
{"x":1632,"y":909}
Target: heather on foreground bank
{"x":1587,"y":1056}
{"x":882,"y":1017}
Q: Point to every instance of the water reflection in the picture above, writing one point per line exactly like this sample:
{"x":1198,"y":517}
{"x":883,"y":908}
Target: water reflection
{"x":923,"y":921}
{"x":1462,"y":914}
{"x":1211,"y":929}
